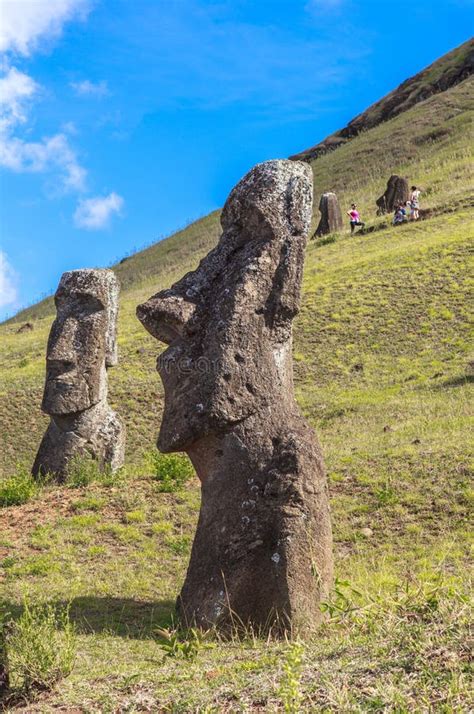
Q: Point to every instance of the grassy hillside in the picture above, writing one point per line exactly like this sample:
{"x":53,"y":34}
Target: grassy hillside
{"x":382,"y":354}
{"x":446,"y":72}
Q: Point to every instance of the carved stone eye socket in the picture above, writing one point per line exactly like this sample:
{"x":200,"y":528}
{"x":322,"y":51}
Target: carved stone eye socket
{"x":78,"y":303}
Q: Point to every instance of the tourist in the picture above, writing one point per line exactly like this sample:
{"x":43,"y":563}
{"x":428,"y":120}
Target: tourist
{"x":354,"y":217}
{"x":414,"y":203}
{"x":400,"y":214}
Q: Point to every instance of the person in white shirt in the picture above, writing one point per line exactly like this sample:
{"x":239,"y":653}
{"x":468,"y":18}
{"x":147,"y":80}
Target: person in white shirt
{"x":414,"y":203}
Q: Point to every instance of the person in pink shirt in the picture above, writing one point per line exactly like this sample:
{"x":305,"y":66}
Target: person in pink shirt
{"x":354,"y":217}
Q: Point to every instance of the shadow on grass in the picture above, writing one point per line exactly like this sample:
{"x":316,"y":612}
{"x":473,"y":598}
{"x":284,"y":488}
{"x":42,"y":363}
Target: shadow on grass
{"x":122,"y":617}
{"x":456,"y":382}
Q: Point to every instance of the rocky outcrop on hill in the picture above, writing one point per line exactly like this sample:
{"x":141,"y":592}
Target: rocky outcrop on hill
{"x":449,"y":70}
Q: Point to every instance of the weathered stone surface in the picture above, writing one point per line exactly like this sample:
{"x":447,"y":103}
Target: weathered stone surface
{"x":262,"y":553}
{"x":81,"y":346}
{"x":331,"y":216}
{"x":395,"y":193}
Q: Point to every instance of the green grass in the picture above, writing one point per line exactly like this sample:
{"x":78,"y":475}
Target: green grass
{"x":382,"y":366}
{"x":39,"y":649}
{"x":19,"y":488}
{"x":413,"y":91}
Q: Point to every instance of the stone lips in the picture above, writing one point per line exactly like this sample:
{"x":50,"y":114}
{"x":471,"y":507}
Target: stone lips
{"x":229,"y":403}
{"x":81,"y":345}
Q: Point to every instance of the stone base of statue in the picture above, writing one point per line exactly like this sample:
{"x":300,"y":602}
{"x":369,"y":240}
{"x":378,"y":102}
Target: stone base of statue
{"x":97,"y":433}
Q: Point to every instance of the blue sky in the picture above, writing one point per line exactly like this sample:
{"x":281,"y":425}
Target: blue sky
{"x":122,"y":121}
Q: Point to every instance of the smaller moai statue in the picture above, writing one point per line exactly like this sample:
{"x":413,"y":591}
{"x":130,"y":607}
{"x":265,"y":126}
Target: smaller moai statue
{"x":331,"y":217}
{"x":395,"y":193}
{"x":82,"y":345}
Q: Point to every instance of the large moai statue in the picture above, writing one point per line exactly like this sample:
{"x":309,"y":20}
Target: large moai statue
{"x":331,"y":216}
{"x":262,"y":553}
{"x":81,"y":346}
{"x":395,"y":193}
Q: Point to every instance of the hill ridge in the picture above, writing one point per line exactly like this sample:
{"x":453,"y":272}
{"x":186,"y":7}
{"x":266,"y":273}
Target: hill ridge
{"x":453,"y":69}
{"x":442,"y":74}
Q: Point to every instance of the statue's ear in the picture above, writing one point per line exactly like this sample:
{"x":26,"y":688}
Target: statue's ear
{"x":113,"y":289}
{"x":283,"y":300}
{"x":300,"y":196}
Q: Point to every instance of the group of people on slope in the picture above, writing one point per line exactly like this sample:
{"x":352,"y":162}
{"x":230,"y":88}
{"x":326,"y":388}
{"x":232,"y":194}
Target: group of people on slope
{"x":400,"y":212}
{"x":413,"y":204}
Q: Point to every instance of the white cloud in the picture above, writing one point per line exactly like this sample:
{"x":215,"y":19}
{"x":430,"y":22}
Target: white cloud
{"x":50,"y":153}
{"x":69,"y":128}
{"x":95,"y":213}
{"x":88,"y":88}
{"x":16,"y":89}
{"x":24,"y":22}
{"x":47,"y":155}
{"x":8,"y":290}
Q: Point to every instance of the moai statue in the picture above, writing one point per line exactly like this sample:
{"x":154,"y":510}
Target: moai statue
{"x":331,"y":217}
{"x":262,"y":553}
{"x":81,"y":346}
{"x":395,"y":193}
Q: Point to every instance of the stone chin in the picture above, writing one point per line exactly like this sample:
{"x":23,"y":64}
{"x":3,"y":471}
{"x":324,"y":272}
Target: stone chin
{"x":181,"y":428}
{"x":194,"y":410}
{"x":67,"y":396}
{"x":170,"y":442}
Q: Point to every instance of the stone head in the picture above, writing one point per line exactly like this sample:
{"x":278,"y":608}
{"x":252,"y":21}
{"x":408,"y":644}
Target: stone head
{"x":82,"y":341}
{"x":228,"y":323}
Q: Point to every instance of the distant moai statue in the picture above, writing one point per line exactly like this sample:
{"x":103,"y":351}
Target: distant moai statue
{"x":331,"y":216}
{"x":262,"y":554}
{"x":82,"y":345}
{"x":395,"y":193}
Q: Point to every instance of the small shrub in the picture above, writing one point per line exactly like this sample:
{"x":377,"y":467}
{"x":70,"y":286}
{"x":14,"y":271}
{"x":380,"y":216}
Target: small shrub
{"x":83,"y":470}
{"x":386,"y":495}
{"x":8,"y":562}
{"x":96,"y":551}
{"x":44,"y":537}
{"x":40,"y":647}
{"x":171,"y":471}
{"x":134,"y":517}
{"x":290,"y":686}
{"x":179,"y":544}
{"x":82,"y":520}
{"x":17,"y":489}
{"x":162,"y":528}
{"x":343,"y":600}
{"x":89,"y":503}
{"x":182,"y":644}
{"x":37,"y":565}
{"x":123,"y":533}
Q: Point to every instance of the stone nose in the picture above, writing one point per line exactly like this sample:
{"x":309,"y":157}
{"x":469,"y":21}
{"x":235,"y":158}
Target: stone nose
{"x":61,"y":344}
{"x":165,"y":316}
